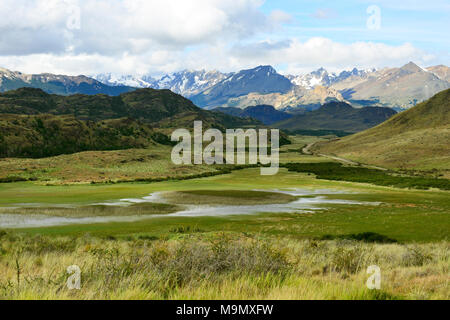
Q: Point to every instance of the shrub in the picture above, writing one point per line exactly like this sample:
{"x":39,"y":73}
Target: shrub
{"x":369,"y":237}
{"x":347,"y":260}
{"x":336,"y":171}
{"x":416,"y":257}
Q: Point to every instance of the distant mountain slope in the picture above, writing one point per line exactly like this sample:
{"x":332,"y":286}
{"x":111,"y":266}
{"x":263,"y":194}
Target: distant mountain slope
{"x":264,"y":113}
{"x":147,"y":105}
{"x":322,"y":77}
{"x":57,"y":84}
{"x":236,"y":112}
{"x":296,"y":101}
{"x":263,"y":80}
{"x":415,"y":139}
{"x":400,"y":88}
{"x":338,"y":116}
{"x":441,"y":71}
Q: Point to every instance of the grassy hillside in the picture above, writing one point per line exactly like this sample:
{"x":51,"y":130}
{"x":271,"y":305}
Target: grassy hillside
{"x":338,"y":116}
{"x":48,"y":135}
{"x":415,"y":139}
{"x":36,"y":124}
{"x":147,"y":105}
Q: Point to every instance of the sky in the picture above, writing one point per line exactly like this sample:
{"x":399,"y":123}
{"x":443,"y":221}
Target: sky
{"x":154,"y":37}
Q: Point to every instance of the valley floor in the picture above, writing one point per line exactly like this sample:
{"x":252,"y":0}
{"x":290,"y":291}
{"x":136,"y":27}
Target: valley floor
{"x":316,"y":251}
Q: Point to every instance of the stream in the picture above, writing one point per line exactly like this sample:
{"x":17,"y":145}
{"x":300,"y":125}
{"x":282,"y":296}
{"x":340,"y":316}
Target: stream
{"x":310,"y":203}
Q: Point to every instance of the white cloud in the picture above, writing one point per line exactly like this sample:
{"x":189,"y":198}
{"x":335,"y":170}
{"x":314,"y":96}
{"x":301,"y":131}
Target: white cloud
{"x":158,"y":36}
{"x":110,"y":27}
{"x":325,"y":13}
{"x":279,"y":16}
{"x":317,"y":52}
{"x":293,"y":55}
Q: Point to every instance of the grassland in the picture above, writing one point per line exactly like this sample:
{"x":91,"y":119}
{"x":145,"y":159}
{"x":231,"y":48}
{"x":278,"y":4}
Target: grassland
{"x":99,"y":166}
{"x":405,"y":215}
{"x":96,"y":210}
{"x":228,"y":197}
{"x":219,"y":266}
{"x":320,"y":255}
{"x":130,"y":165}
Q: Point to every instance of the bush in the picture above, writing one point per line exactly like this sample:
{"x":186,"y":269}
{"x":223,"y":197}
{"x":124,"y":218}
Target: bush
{"x":416,"y":257}
{"x":369,"y":237}
{"x":347,"y":260}
{"x":336,"y":171}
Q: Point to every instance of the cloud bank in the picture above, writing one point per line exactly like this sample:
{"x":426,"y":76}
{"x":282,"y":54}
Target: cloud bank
{"x":158,"y":36}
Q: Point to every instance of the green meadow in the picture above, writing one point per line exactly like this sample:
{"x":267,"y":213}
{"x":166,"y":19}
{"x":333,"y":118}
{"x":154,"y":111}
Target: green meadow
{"x":319,"y":254}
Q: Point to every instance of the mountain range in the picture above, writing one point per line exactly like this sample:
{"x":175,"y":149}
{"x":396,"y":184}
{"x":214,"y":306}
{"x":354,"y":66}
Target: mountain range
{"x":186,"y":83}
{"x":322,"y":77}
{"x":57,"y":84}
{"x":397,"y":88}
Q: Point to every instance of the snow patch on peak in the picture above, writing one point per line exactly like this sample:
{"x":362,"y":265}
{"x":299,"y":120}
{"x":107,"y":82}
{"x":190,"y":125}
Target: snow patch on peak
{"x":187,"y":82}
{"x":321,"y":77}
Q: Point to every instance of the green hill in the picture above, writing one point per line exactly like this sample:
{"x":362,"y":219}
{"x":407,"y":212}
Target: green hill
{"x":264,"y":113}
{"x":414,"y":139}
{"x":147,"y":105}
{"x":47,"y":135}
{"x":338,"y":116}
{"x":37,"y":124}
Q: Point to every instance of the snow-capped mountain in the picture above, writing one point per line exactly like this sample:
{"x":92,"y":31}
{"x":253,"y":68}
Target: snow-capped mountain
{"x":189,"y":83}
{"x":126,"y":80}
{"x":186,"y":83}
{"x":262,"y":80}
{"x":57,"y":84}
{"x":398,"y":88}
{"x":322,"y":77}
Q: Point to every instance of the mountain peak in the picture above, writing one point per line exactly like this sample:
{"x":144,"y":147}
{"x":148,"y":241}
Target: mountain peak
{"x":27,"y":92}
{"x":411,"y":67}
{"x":336,"y":107}
{"x":264,"y":69}
{"x":320,"y":72}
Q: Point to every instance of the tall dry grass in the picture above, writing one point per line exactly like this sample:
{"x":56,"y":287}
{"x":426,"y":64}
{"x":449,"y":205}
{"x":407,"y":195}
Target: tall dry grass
{"x":219,"y":266}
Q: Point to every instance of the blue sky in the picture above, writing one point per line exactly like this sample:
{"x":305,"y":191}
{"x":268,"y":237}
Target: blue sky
{"x":160,"y":36}
{"x":424,"y":24}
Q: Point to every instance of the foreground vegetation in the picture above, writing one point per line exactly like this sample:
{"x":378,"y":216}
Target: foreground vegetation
{"x":322,"y":254}
{"x":219,"y":266}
